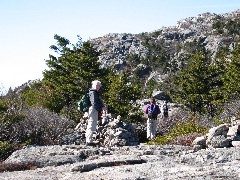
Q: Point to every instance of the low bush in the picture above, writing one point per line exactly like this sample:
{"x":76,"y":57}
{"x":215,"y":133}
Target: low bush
{"x":182,"y":132}
{"x":42,"y":127}
{"x":185,"y":140}
{"x":5,"y":150}
{"x":36,"y":126}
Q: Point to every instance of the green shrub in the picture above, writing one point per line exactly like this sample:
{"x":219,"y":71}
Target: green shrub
{"x":187,"y":128}
{"x":165,"y":139}
{"x":183,"y":130}
{"x":5,"y":150}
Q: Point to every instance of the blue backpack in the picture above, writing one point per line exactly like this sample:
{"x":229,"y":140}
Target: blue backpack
{"x":152,"y":113}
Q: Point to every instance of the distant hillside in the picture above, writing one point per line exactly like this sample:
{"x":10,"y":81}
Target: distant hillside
{"x":167,"y":46}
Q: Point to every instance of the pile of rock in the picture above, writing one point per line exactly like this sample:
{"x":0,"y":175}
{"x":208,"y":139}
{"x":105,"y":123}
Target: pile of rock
{"x":224,"y":135}
{"x":110,"y":132}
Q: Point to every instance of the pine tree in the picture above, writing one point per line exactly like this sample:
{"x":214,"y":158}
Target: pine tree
{"x":232,"y":77}
{"x":199,"y":85}
{"x":122,"y":93}
{"x":69,"y":74}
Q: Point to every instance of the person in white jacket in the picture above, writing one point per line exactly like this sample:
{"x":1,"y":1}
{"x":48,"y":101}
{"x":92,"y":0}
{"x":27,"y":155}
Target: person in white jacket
{"x":96,"y":107}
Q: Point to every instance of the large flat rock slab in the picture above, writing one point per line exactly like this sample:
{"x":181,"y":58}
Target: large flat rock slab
{"x":129,"y":162}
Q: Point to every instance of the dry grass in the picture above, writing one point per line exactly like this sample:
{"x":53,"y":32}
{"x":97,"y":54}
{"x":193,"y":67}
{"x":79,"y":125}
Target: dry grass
{"x":185,"y":140}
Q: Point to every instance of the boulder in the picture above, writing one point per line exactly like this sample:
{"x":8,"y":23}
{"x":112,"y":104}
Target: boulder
{"x":219,"y":130}
{"x":200,"y":141}
{"x":236,"y":143}
{"x":160,"y":95}
{"x":217,"y":142}
{"x":221,"y":136}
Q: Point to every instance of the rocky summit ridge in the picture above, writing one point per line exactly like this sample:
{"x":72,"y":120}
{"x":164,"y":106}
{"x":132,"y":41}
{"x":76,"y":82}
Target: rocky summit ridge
{"x":116,"y":47}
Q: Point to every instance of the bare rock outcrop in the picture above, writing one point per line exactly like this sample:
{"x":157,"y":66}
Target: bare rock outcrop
{"x":127,"y":162}
{"x":224,"y":135}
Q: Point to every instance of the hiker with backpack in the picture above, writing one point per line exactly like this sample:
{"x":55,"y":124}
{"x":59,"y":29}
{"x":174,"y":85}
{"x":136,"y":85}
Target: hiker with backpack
{"x":165,"y":109}
{"x":152,"y":110}
{"x":95,"y":108}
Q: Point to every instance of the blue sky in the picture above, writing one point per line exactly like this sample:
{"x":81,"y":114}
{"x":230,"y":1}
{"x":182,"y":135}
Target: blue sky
{"x":27,"y":27}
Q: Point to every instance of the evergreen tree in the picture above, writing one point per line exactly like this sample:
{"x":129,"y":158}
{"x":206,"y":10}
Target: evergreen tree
{"x":34,"y":95}
{"x":232,"y":77}
{"x":199,"y":85}
{"x":157,"y":56}
{"x":69,"y":75}
{"x":122,"y":93}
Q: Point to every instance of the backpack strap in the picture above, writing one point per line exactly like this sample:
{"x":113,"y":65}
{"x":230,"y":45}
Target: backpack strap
{"x":146,"y":110}
{"x":153,"y":106}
